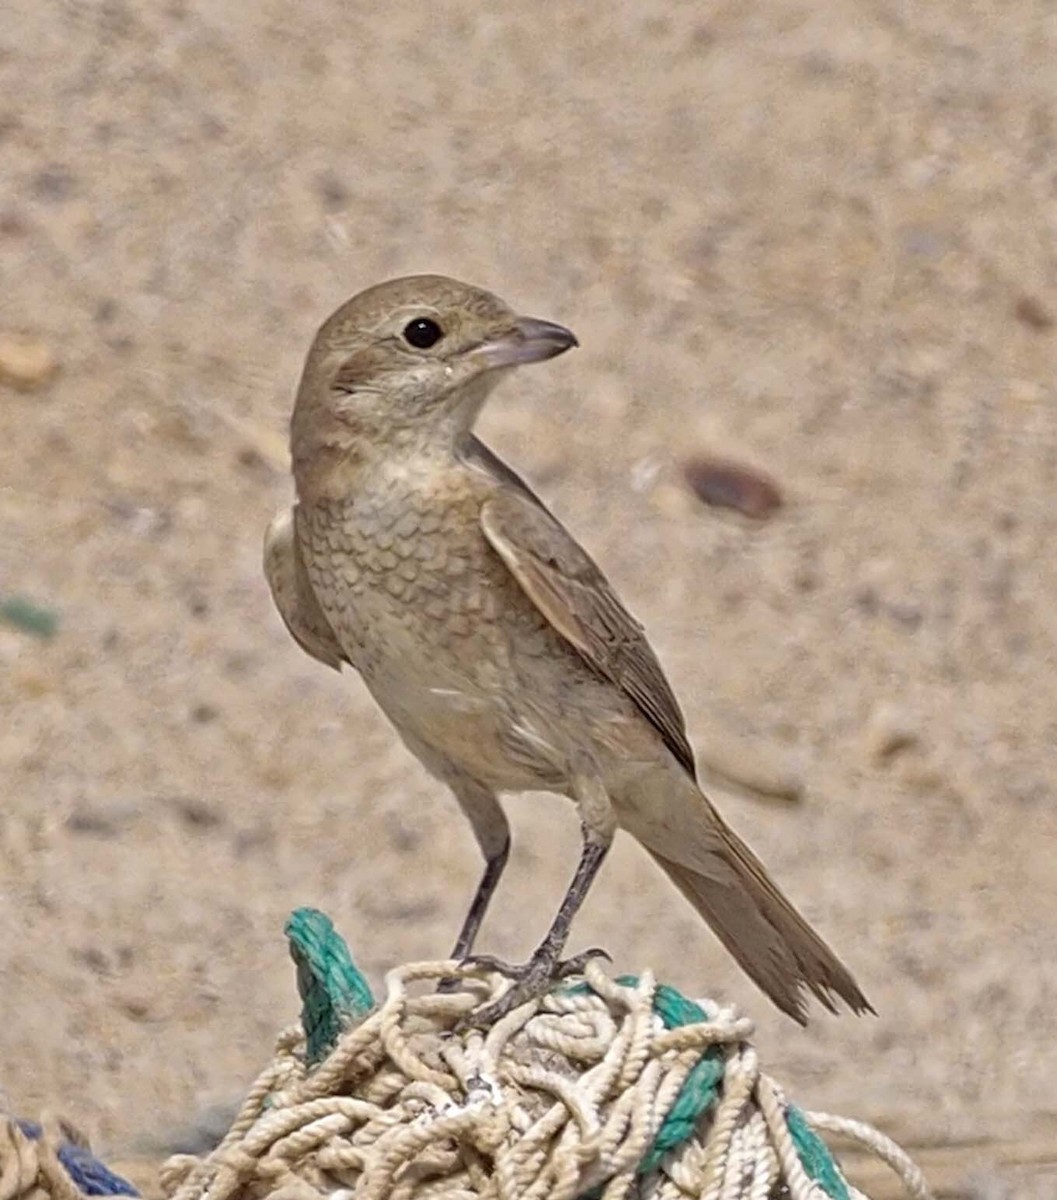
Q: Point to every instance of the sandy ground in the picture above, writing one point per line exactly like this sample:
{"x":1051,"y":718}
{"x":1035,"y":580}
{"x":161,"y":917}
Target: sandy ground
{"x":818,"y":237}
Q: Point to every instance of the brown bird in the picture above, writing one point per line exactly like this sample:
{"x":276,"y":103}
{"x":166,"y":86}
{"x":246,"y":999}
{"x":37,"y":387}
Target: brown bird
{"x":491,"y":640}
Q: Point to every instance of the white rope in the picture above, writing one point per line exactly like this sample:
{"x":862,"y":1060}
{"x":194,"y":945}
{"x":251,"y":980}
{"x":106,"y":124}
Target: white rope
{"x":561,"y":1097}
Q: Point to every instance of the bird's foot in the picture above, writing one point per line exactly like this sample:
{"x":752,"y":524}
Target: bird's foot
{"x":530,"y":980}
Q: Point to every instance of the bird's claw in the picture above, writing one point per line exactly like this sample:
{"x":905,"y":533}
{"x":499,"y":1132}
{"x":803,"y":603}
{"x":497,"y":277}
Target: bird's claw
{"x":530,"y":980}
{"x":576,"y":964}
{"x":539,"y":966}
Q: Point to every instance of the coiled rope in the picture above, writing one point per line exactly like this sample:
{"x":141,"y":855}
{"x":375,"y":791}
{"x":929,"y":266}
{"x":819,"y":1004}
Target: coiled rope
{"x":604,"y":1089}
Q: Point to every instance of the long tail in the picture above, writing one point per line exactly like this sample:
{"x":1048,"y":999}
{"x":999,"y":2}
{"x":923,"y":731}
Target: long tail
{"x":773,"y":943}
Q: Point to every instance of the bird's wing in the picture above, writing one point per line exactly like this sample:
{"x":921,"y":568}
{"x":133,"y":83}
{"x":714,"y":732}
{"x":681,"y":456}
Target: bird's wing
{"x":293,"y":593}
{"x":566,"y":586}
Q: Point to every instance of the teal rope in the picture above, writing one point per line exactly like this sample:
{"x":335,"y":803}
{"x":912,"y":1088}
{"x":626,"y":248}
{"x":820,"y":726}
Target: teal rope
{"x":701,"y":1088}
{"x":815,"y":1156}
{"x":333,"y":992}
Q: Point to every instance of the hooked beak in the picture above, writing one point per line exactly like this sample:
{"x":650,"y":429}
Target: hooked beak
{"x":530,"y":340}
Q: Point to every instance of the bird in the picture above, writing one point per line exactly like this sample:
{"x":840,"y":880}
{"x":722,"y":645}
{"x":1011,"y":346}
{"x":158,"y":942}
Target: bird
{"x":492,"y":641}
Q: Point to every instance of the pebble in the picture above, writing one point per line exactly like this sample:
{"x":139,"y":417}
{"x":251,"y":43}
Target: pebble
{"x":890,"y":731}
{"x":136,"y":1004}
{"x":195,"y":812}
{"x":760,"y":769}
{"x":1030,"y":310}
{"x":103,"y":818}
{"x":25,"y":363}
{"x":726,"y":484}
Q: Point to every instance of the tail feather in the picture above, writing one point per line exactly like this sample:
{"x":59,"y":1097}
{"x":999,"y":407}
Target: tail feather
{"x":773,"y":943}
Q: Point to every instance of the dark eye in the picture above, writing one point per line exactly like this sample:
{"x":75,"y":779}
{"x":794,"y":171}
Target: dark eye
{"x":422,"y":333}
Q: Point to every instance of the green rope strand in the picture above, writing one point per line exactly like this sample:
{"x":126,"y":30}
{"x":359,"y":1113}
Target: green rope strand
{"x":333,"y":992}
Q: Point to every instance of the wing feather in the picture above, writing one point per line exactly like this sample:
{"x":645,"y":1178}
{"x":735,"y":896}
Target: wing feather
{"x":564,"y":583}
{"x":293,"y":595}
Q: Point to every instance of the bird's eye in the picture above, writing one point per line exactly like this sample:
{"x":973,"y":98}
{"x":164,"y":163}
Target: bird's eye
{"x":422,"y":333}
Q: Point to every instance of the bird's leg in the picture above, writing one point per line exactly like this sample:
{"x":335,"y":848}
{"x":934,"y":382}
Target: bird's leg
{"x":492,"y":830}
{"x":536,"y":976}
{"x":493,"y":868}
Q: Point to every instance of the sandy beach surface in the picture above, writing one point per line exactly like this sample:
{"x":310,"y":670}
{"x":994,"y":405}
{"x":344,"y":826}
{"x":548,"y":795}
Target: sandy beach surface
{"x":815,"y":238}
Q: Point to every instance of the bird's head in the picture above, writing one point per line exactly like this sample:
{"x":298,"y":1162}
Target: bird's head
{"x":410,"y":360}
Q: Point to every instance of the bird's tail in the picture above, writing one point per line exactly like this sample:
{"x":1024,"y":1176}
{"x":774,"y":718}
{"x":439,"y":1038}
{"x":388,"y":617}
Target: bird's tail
{"x":773,"y":943}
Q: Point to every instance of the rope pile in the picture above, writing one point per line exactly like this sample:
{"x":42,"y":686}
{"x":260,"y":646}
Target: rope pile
{"x":603,"y":1089}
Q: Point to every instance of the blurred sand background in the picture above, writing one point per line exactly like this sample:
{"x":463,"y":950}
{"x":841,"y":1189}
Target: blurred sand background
{"x":817,"y":237}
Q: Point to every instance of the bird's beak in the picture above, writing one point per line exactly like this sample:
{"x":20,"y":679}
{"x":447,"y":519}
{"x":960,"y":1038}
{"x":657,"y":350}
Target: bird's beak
{"x":528,"y":341}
